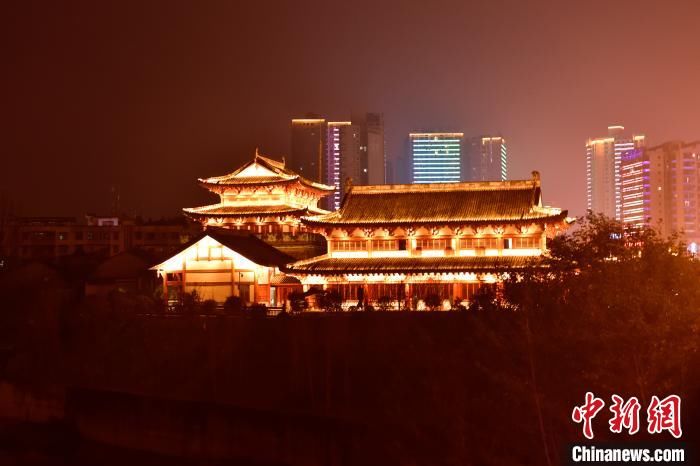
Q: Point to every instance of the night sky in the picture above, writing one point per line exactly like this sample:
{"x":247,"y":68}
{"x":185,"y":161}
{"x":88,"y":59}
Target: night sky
{"x":148,"y":96}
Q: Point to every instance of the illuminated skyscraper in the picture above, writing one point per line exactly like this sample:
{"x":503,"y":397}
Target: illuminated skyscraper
{"x":332,"y":152}
{"x":642,"y":179}
{"x":485,"y":159}
{"x":344,"y":158}
{"x":660,"y":189}
{"x":435,"y":157}
{"x":603,"y":170}
{"x":308,"y":154}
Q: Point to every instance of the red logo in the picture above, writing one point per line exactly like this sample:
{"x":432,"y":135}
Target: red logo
{"x":665,"y":415}
{"x":625,"y":415}
{"x":586,"y":412}
{"x":661,"y":415}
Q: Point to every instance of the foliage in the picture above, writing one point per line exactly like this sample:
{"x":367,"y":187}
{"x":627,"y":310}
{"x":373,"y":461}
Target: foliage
{"x":188,"y":302}
{"x":433,"y":301}
{"x":607,"y":314}
{"x":209,"y":306}
{"x":484,"y":299}
{"x":258,"y":310}
{"x":330,"y":301}
{"x":458,"y":306}
{"x":233,"y":305}
{"x":623,"y":304}
{"x":384,"y":303}
{"x":297,"y":302}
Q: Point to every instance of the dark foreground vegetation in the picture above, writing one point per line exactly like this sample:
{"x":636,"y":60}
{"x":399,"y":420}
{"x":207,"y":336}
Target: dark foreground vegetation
{"x":492,"y":385}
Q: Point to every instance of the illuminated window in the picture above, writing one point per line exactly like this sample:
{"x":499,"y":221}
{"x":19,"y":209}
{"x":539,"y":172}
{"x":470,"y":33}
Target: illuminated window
{"x":386,"y":245}
{"x":351,"y":245}
{"x":525,"y":242}
{"x":478,"y":243}
{"x":433,"y":243}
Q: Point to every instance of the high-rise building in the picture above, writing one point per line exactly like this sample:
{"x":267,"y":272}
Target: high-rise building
{"x":660,"y":189}
{"x":485,"y":159}
{"x":332,"y":152}
{"x":344,"y":158}
{"x":308,"y":156}
{"x":642,"y":182}
{"x":435,"y":157}
{"x":373,"y":156}
{"x":603,"y":170}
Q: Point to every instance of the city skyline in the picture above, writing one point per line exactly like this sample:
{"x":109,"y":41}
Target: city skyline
{"x":603,"y":176}
{"x":334,"y":152}
{"x":349,"y":233}
{"x":159,"y":101}
{"x":659,"y":187}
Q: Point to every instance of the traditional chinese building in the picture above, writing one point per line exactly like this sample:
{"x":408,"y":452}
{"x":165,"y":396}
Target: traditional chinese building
{"x":405,"y":242}
{"x":222,"y":263}
{"x":262,"y":196}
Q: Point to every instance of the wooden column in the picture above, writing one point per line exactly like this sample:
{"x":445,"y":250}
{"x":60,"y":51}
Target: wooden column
{"x":165,"y":286}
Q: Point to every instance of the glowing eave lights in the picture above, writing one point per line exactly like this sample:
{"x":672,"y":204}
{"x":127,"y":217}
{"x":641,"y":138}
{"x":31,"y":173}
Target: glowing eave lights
{"x":308,"y":120}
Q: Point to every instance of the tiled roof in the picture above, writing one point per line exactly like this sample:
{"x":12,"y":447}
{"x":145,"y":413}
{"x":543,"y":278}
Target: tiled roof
{"x":282,"y":279}
{"x":248,"y":180}
{"x":244,"y":243}
{"x":444,"y":203}
{"x":281,"y":174}
{"x":126,"y":264}
{"x":219,"y":210}
{"x":338,"y":266}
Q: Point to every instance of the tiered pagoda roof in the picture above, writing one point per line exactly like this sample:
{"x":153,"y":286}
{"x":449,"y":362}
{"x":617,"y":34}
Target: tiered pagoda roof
{"x":260,"y":174}
{"x":441,"y":204}
{"x":261,"y":171}
{"x":233,"y":211}
{"x":325,"y":265}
